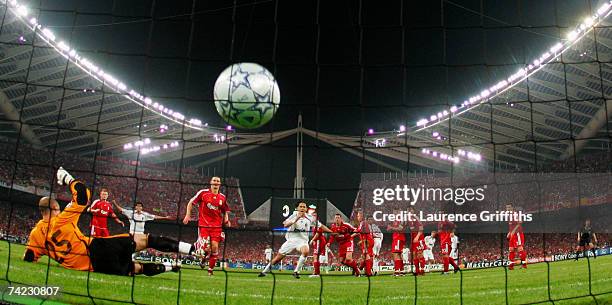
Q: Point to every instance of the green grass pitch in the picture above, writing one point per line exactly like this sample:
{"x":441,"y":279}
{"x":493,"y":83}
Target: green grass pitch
{"x":192,"y":286}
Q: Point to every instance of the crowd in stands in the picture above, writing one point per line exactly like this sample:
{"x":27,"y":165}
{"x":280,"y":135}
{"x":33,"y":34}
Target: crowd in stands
{"x":164,"y":191}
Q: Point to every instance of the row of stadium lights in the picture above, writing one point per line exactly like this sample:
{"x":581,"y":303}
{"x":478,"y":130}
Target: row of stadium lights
{"x":500,"y":87}
{"x":522,"y":73}
{"x":486,"y":94}
{"x":90,"y":68}
{"x":87,"y":66}
{"x":144,"y":148}
{"x":455,"y":159}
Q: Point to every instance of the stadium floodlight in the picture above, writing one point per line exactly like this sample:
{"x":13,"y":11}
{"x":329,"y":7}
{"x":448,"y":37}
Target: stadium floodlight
{"x":422,"y":122}
{"x":571,"y":36}
{"x":435,"y":134}
{"x":22,"y":10}
{"x":603,"y":9}
{"x":402,"y":128}
{"x":453,"y":109}
{"x":370,"y":131}
{"x":425,"y":151}
{"x":433,"y":118}
{"x":86,"y":66}
{"x":48,"y":34}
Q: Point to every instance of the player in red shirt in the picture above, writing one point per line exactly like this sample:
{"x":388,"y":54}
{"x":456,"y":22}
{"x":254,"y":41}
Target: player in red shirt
{"x":445,"y":228}
{"x":367,"y":243}
{"x":318,"y":243}
{"x":213,"y":213}
{"x":101,"y":209}
{"x":344,"y":237}
{"x":417,"y":244}
{"x":397,"y":245}
{"x":516,"y":239}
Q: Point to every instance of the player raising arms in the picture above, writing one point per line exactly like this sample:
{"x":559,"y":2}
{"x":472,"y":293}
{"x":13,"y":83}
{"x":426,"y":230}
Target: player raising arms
{"x":344,"y":238}
{"x":318,"y":243}
{"x":366,"y":240}
{"x":138,"y":217}
{"x":445,"y":228}
{"x":213,"y":214}
{"x":397,"y":245}
{"x":378,"y":239}
{"x":101,"y":209}
{"x":298,"y":225}
{"x":584,"y":240}
{"x":430,"y":242}
{"x":516,"y":239}
{"x":417,"y":243}
{"x":58,"y":236}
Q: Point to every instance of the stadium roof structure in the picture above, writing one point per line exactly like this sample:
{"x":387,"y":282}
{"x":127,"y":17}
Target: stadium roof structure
{"x":51,"y":85}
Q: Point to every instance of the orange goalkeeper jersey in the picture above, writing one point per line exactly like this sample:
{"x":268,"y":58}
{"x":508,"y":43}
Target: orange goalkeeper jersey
{"x":63,"y":240}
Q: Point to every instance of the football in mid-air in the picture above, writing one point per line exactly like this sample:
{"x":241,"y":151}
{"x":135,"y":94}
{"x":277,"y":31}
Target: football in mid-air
{"x":246,"y":95}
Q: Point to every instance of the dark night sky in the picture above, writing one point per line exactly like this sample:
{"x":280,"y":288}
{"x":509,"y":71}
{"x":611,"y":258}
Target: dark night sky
{"x":415,"y":58}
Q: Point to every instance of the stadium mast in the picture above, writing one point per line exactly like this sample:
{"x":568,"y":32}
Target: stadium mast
{"x":298,"y":183}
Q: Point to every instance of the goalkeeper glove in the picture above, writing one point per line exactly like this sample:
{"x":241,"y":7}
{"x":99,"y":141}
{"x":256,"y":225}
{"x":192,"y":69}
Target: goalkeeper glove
{"x":63,"y":177}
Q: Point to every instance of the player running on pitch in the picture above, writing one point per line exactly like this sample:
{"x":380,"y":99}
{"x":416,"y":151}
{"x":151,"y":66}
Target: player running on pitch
{"x":585,"y":240}
{"x":397,"y":245}
{"x":454,"y":246}
{"x":298,"y":225}
{"x":378,"y":240}
{"x":344,"y":238}
{"x":417,"y":244}
{"x":318,"y":243}
{"x":366,"y":240}
{"x":430,"y":242}
{"x":58,"y":236}
{"x":516,"y":239}
{"x":445,"y":228}
{"x":213,"y":214}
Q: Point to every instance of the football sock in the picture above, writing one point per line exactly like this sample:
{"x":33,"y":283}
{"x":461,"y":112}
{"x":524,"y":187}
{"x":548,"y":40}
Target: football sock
{"x":267,"y":269}
{"x":212,"y":261}
{"x":452,"y":262}
{"x":375,"y":266}
{"x":300,"y":262}
{"x":523,"y":256}
{"x":445,"y":260}
{"x":416,"y":263}
{"x":594,"y":254}
{"x":396,"y":265}
{"x":154,"y":269}
{"x":511,"y":257}
{"x":368,"y":266}
{"x":422,"y":262}
{"x":317,"y":267}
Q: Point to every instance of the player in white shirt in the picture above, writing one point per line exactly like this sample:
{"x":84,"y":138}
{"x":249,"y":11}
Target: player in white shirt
{"x":138,"y":217}
{"x":430,"y":242}
{"x":454,"y":246}
{"x":378,"y":239}
{"x":324,"y":259}
{"x":268,"y":253}
{"x":299,"y":225}
{"x":406,"y":257}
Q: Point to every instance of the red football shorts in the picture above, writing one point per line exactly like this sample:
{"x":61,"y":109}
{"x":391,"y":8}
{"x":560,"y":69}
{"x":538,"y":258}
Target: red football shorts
{"x":516,"y":240}
{"x":397,"y":246}
{"x":345,"y":248}
{"x":99,"y":232}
